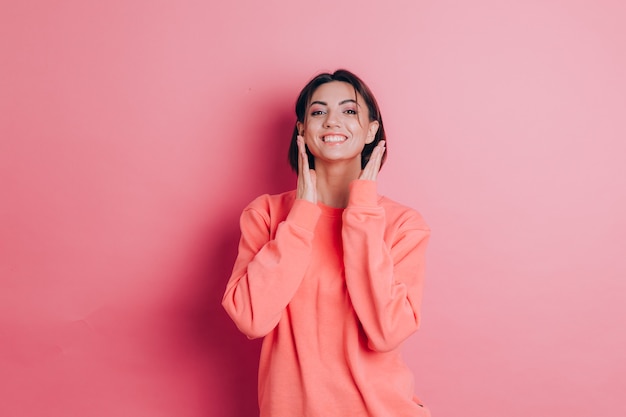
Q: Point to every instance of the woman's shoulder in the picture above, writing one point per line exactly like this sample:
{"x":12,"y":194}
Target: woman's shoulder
{"x":402,"y":215}
{"x":272,"y":204}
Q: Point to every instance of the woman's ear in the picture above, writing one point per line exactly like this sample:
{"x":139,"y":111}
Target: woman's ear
{"x":371,"y":131}
{"x":300,"y":128}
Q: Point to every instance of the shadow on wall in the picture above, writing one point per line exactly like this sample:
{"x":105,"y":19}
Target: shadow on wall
{"x":229,"y":360}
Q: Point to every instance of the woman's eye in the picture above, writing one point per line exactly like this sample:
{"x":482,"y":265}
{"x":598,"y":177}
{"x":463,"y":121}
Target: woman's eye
{"x":316,"y":113}
{"x":351,"y":111}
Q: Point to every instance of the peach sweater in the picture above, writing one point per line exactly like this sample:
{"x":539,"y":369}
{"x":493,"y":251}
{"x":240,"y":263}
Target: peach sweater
{"x":334,"y":292}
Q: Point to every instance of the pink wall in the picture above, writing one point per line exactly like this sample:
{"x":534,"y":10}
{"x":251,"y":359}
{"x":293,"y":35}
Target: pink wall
{"x":132,"y":133}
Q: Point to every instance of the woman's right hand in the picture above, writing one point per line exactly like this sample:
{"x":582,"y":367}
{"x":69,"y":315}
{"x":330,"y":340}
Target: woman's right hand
{"x":306,"y":177}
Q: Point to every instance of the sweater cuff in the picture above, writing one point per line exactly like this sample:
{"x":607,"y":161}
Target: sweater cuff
{"x":304,"y":214}
{"x":363,"y":193}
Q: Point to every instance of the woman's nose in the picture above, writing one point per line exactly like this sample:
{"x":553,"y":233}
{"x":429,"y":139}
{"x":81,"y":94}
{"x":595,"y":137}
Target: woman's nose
{"x":331,"y":119}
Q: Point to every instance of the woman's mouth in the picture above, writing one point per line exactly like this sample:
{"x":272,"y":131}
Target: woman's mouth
{"x":334,"y":138}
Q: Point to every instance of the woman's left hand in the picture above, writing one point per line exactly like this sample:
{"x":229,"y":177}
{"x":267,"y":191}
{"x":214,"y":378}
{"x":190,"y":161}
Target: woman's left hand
{"x":370,"y":172}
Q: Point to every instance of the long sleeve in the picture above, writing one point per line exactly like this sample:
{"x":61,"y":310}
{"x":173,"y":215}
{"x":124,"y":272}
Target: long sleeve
{"x":384,"y":267}
{"x":269,"y":266}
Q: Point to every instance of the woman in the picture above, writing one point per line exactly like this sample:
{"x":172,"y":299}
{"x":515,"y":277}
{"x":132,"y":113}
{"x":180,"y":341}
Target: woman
{"x":331,"y":274}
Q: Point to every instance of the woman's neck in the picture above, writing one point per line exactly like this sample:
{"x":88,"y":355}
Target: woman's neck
{"x":333,"y":182}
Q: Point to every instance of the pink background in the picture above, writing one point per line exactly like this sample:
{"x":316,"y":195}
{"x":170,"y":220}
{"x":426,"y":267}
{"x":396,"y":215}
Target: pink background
{"x":133,"y":132}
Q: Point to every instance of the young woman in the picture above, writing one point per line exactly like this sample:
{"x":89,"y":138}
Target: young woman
{"x":331,"y":274}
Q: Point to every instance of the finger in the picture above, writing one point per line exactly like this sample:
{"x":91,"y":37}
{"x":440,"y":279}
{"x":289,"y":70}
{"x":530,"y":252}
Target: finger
{"x":313,"y":177}
{"x":304,"y":159}
{"x":380,"y":148}
{"x":301,"y":159}
{"x":306,"y":176}
{"x":370,"y":172}
{"x":300,"y":165}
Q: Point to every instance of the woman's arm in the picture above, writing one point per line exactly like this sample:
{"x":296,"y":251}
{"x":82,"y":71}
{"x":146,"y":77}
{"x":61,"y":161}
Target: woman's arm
{"x":384,"y":280}
{"x":268,"y":272}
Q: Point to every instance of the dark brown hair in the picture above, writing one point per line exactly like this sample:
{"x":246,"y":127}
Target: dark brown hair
{"x":360,"y":87}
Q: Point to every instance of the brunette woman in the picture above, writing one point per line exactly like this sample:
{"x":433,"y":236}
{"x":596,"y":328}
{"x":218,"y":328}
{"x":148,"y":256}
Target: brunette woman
{"x":331,"y":273}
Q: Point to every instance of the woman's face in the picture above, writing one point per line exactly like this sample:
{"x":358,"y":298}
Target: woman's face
{"x":336,"y":125}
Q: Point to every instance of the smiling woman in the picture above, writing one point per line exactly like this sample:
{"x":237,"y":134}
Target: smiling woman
{"x":337,"y":128}
{"x":361,"y":97}
{"x":331,"y":274}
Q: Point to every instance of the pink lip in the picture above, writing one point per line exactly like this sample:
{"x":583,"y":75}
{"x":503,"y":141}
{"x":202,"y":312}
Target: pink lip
{"x":343,"y":139}
{"x":334,"y":134}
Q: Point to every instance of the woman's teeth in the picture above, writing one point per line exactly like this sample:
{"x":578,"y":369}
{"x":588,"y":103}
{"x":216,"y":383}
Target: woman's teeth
{"x":334,"y":138}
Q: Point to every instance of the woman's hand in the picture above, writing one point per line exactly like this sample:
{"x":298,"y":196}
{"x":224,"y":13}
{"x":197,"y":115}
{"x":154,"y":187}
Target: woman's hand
{"x":370,"y":172}
{"x":306,"y":177}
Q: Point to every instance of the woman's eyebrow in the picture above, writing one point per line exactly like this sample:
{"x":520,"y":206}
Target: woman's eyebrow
{"x":323,"y":103}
